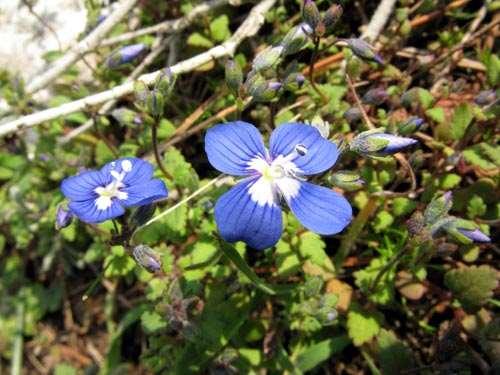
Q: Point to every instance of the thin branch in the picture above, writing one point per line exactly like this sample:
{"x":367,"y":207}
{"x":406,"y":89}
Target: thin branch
{"x":247,"y":29}
{"x":170,"y":26}
{"x":159,"y":46}
{"x":378,"y":20}
{"x":85,"y":45}
{"x":365,"y":116}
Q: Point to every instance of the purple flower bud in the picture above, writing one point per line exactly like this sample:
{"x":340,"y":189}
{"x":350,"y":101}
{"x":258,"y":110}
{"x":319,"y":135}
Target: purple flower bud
{"x":485,"y":97}
{"x":361,"y":49}
{"x":332,"y":15}
{"x":267,"y":58}
{"x":294,"y":81}
{"x":475,"y":235}
{"x":125,"y":55}
{"x":375,"y":96}
{"x":310,"y":14}
{"x":147,"y":258}
{"x":234,"y":75}
{"x":126,"y":117}
{"x":347,"y":180}
{"x":64,"y":217}
{"x":377,"y":143}
{"x":412,"y":125}
{"x":165,"y":82}
{"x":296,"y":39}
{"x":353,"y":114}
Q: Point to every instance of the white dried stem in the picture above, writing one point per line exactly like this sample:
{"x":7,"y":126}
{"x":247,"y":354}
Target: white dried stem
{"x":169,"y":26}
{"x":89,"y":43}
{"x":247,"y":29}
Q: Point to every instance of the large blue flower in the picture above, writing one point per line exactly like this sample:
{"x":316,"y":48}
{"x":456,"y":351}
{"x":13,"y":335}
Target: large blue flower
{"x":251,"y":211}
{"x":97,"y":196}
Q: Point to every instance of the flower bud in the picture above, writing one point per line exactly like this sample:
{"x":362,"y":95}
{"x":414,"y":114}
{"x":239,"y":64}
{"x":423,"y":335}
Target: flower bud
{"x":411,"y":125}
{"x":375,"y":96}
{"x":465,"y":231}
{"x":142,"y":214}
{"x":294,"y":81}
{"x":126,"y":116}
{"x":411,"y":97}
{"x":376,"y":143}
{"x":125,"y":55}
{"x":165,"y":82}
{"x":268,"y":93}
{"x":485,"y":97}
{"x":331,"y":17}
{"x":347,"y":180}
{"x":234,"y":75}
{"x":267,"y":58}
{"x":296,"y":39}
{"x":361,"y":49}
{"x":141,"y":92}
{"x":147,"y":258}
{"x":310,"y":14}
{"x":64,"y":217}
{"x":415,"y":223}
{"x":353,"y":114}
{"x":438,"y":208}
{"x":155,"y":103}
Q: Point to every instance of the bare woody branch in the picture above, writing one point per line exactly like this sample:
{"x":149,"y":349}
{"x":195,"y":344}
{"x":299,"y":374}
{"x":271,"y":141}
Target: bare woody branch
{"x":247,"y":29}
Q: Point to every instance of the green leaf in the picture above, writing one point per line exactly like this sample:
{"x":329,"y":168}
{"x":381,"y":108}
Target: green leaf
{"x":198,"y":40}
{"x":436,"y":114}
{"x":103,"y":154}
{"x":233,"y":255}
{"x":403,"y":206}
{"x":449,"y":181}
{"x":462,"y":117}
{"x":364,"y":279}
{"x":151,"y":321}
{"x":182,"y":172}
{"x":312,"y":247}
{"x":483,"y":155}
{"x":476,"y":207}
{"x":319,"y":352}
{"x":201,"y":253}
{"x":287,"y":261}
{"x":425,"y":97}
{"x":394,"y":356}
{"x":362,"y":326}
{"x":65,"y":369}
{"x":219,"y":28}
{"x":472,"y":286}
{"x":382,"y":221}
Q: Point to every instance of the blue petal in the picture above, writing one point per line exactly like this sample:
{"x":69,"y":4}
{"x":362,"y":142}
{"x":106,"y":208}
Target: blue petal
{"x":145,"y":193}
{"x":320,"y":210}
{"x":239,"y":218}
{"x":141,"y":171}
{"x":88,"y":212}
{"x":81,"y":187}
{"x":396,"y":143}
{"x":230,"y":147}
{"x":321,"y":153}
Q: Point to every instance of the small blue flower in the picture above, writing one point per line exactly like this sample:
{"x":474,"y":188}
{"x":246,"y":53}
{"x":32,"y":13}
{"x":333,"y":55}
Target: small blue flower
{"x":250,"y":211}
{"x":97,"y":196}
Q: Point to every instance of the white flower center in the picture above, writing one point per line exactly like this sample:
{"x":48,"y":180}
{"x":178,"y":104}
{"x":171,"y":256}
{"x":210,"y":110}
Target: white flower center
{"x":280,"y":177}
{"x":112,"y":190}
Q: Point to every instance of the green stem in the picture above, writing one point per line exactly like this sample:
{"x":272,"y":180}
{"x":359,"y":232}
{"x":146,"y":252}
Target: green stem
{"x":354,"y":231}
{"x":154,"y":137}
{"x":17,"y":351}
{"x":311,"y":70}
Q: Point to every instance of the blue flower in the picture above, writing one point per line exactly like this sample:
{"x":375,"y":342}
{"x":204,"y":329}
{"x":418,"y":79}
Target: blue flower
{"x":97,"y":196}
{"x":251,"y":211}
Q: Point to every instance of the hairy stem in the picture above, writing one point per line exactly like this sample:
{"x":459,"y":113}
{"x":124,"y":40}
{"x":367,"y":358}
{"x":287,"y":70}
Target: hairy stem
{"x":154,"y":137}
{"x":311,"y":70}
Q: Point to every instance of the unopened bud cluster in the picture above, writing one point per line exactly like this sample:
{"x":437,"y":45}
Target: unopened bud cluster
{"x":436,"y":220}
{"x":153,"y":101}
{"x":320,"y":25}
